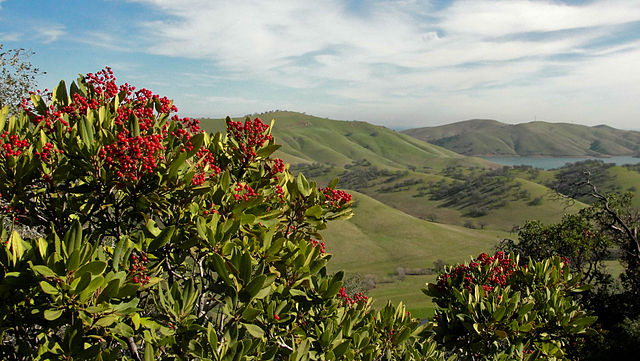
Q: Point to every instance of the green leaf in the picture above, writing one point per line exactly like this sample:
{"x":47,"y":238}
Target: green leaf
{"x":44,"y":271}
{"x":254,"y":286}
{"x":93,"y":285}
{"x":73,"y":261}
{"x":254,"y":330}
{"x":268,"y":150}
{"x":526,"y":327}
{"x":17,"y":248}
{"x":80,"y":283}
{"x":134,"y":125}
{"x":303,"y":185}
{"x":163,"y":238}
{"x":60,"y":93}
{"x":341,"y":349}
{"x":500,"y":333}
{"x":4,"y":112}
{"x":53,"y":314}
{"x":118,"y":253}
{"x":524,"y":309}
{"x":212,"y":337}
{"x":40,"y":106}
{"x":176,"y":164}
{"x":196,"y":141}
{"x":48,"y":288}
{"x":122,"y":329}
{"x":584,"y":321}
{"x":401,"y":336}
{"x":247,"y":219}
{"x":109,"y":291}
{"x":250,"y":314}
{"x":220,"y":268}
{"x":499,"y":313}
{"x":315,"y":211}
{"x":42,"y":247}
{"x":106,"y":321}
{"x":95,"y":268}
{"x":225,"y":180}
{"x":148,"y":352}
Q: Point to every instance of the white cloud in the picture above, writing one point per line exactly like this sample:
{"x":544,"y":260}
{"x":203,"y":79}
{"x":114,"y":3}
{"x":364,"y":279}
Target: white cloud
{"x":12,"y":36}
{"x":470,"y":55}
{"x":50,"y":33}
{"x":499,"y":18}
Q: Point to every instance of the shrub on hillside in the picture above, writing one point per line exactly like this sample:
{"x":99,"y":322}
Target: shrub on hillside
{"x":494,"y":309}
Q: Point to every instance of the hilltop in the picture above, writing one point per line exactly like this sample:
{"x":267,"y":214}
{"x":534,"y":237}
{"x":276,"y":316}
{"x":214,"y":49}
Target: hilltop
{"x":482,"y":137}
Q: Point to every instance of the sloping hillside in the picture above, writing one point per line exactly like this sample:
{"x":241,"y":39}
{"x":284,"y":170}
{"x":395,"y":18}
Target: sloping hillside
{"x":306,"y":138}
{"x":418,"y":178}
{"x":490,"y":137}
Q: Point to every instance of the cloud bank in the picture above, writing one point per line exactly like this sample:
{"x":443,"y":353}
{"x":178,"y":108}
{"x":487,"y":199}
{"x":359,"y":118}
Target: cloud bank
{"x":412,"y":62}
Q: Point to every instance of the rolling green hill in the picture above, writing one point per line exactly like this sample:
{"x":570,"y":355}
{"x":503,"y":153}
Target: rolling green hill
{"x":418,"y":178}
{"x":490,"y":137}
{"x":416,"y":202}
{"x":309,"y":139}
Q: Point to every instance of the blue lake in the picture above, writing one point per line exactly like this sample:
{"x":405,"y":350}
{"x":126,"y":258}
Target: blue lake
{"x":557,"y":162}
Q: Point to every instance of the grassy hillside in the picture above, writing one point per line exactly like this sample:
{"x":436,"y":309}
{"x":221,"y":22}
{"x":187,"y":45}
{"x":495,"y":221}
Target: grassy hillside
{"x":418,"y":178}
{"x":379,"y":239}
{"x":490,"y":137}
{"x":311,"y":139}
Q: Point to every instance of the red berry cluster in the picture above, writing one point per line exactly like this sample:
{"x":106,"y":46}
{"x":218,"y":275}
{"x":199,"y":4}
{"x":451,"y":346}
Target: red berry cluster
{"x":138,"y":269}
{"x":316,"y":243}
{"x":250,"y":136}
{"x":280,"y":193}
{"x":243,"y":191}
{"x":277,"y":166}
{"x":12,"y":145}
{"x":131,"y":157}
{"x":104,"y":83}
{"x":211,"y":210}
{"x":205,"y":167}
{"x":350,"y":301}
{"x":47,"y":150}
{"x":488,"y":272}
{"x":335,"y":198}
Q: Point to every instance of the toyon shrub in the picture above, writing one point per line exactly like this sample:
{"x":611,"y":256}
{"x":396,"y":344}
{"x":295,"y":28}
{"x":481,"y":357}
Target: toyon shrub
{"x":494,"y":309}
{"x":129,"y":234}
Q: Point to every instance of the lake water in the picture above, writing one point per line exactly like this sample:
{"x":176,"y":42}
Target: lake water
{"x":557,"y":162}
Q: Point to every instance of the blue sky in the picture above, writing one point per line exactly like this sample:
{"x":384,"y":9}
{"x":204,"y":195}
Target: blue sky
{"x":403,"y":64}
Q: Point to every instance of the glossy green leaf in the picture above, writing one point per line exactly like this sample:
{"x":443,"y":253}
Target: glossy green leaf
{"x":254,"y":330}
{"x":48,"y":288}
{"x":95,"y":268}
{"x":52,"y":315}
{"x":43,"y":271}
{"x":163,"y":238}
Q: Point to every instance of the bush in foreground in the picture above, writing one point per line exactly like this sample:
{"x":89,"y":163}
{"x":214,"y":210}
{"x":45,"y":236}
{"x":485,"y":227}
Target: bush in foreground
{"x":150,"y":239}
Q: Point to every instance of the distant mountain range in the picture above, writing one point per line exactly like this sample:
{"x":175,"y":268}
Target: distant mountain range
{"x":485,"y":137}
